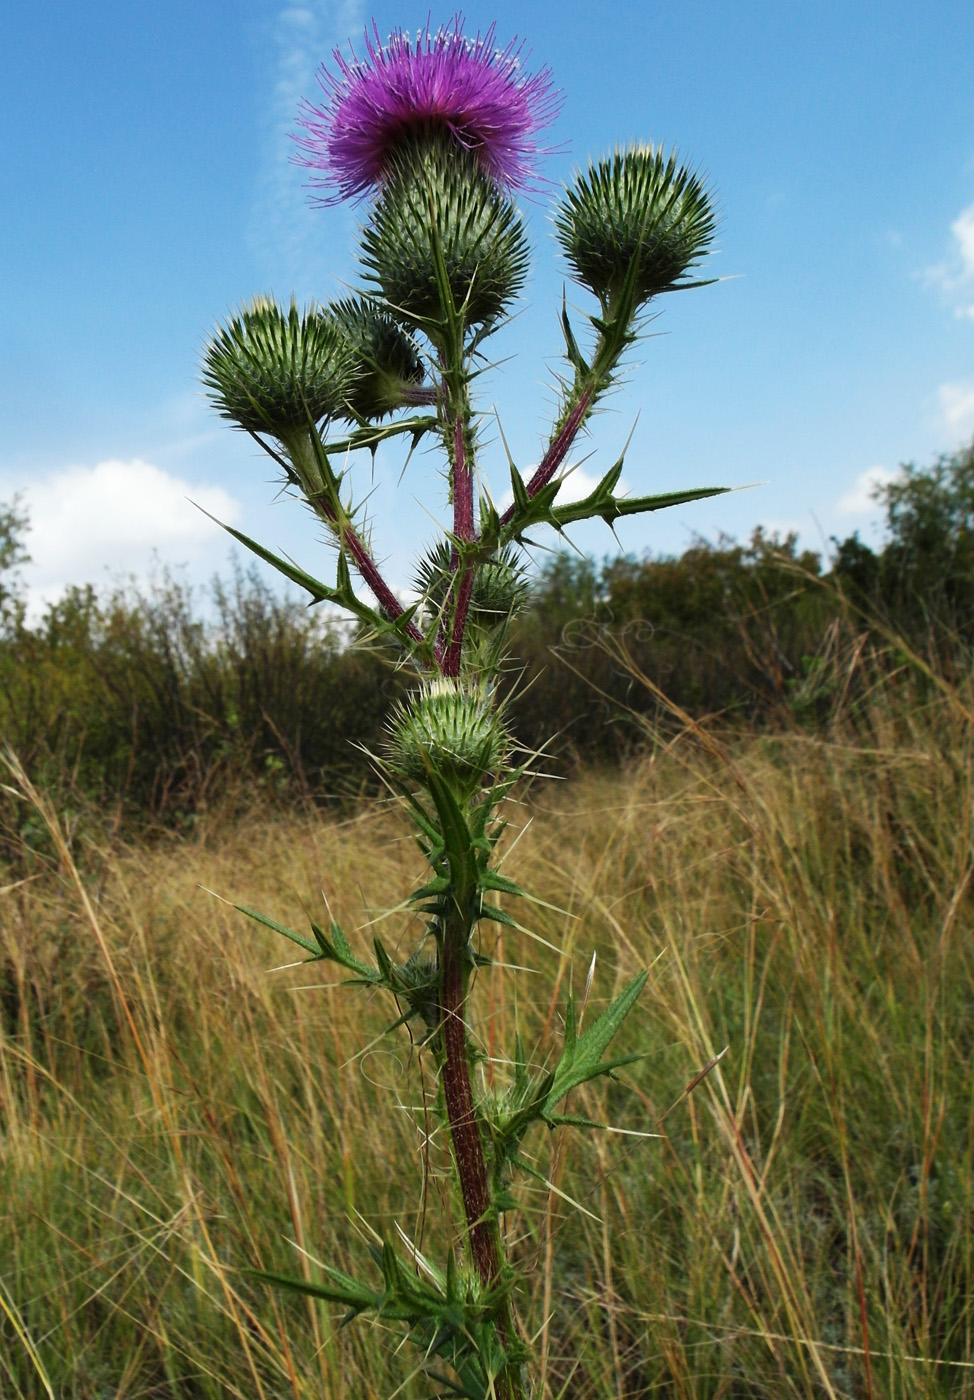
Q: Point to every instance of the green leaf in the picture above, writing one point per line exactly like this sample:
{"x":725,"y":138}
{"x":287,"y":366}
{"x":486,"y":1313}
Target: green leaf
{"x":522,"y":501}
{"x":610,"y":508}
{"x":458,"y":841}
{"x":337,"y":949}
{"x":320,"y":592}
{"x":498,"y":916}
{"x":492,"y":880}
{"x":582,"y":1059}
{"x":313,"y":948}
{"x":573,"y":1120}
{"x":386,"y":966}
{"x":344,"y":1289}
{"x":575,"y":357}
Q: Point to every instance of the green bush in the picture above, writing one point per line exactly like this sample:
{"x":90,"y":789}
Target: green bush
{"x":133,"y":702}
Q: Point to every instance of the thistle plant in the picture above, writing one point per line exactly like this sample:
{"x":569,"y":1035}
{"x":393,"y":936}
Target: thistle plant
{"x":435,"y":137}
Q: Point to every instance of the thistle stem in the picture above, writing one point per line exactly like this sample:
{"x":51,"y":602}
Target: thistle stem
{"x":558,"y":449}
{"x":461,"y":589}
{"x":468,"y":1150}
{"x":460,"y":596}
{"x":462,"y":483}
{"x":483,"y":1231}
{"x":366,"y":566}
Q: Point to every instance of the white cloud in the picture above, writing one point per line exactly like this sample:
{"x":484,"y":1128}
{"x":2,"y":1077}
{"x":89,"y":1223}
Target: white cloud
{"x":859,"y":499}
{"x":119,"y":516}
{"x":955,"y":277}
{"x":957,"y":407}
{"x":963,"y":230}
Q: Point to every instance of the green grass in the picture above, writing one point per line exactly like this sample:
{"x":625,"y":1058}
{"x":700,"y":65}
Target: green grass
{"x":172,"y":1112}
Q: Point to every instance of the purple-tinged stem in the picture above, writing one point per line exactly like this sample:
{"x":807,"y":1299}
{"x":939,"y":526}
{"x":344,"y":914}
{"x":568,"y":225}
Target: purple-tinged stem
{"x":483,"y":1231}
{"x":419,"y":395}
{"x":462,"y":485}
{"x":468,"y":1150}
{"x":460,"y":604}
{"x":461,"y":589}
{"x":558,"y":450}
{"x":366,"y":566}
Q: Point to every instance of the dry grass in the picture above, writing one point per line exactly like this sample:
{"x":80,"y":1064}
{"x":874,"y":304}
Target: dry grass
{"x":172,"y":1112}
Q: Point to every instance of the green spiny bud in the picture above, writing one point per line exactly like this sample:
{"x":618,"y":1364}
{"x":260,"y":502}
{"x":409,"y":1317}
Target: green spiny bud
{"x":452,"y":728}
{"x":388,"y":364}
{"x":480,"y":233}
{"x":276,"y":372}
{"x":499,"y":586}
{"x":637,"y":206}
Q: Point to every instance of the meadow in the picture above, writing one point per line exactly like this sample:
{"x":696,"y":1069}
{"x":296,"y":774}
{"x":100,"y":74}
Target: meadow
{"x":176,"y":1108}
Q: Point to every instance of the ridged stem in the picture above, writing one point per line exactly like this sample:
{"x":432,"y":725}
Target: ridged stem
{"x":559,"y":447}
{"x":459,"y":444}
{"x":366,"y":566}
{"x":483,"y":1231}
{"x":325,"y":502}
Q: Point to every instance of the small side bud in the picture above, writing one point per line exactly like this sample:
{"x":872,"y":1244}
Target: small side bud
{"x":500,"y":585}
{"x":389,"y":371}
{"x":452,"y":728}
{"x":275,"y":371}
{"x":639,"y":207}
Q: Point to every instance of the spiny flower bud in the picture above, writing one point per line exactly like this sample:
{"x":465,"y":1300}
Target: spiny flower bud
{"x":389,"y":370}
{"x":272,"y":371}
{"x":637,"y":206}
{"x":440,"y":194}
{"x":499,"y":585}
{"x":452,"y":728}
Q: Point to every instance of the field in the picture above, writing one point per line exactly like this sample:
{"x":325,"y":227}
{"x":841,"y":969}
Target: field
{"x":175,"y":1108}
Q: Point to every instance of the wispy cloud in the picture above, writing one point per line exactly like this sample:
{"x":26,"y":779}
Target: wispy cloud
{"x":120,"y":517}
{"x":954,"y":277}
{"x":956,"y":403}
{"x":288,"y":237}
{"x":860,"y":499}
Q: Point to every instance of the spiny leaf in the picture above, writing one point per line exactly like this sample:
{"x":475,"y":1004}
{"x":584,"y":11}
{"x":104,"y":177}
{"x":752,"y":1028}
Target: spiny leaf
{"x":344,"y":1289}
{"x":582,"y":1059}
{"x":314,"y":949}
{"x":610,"y":508}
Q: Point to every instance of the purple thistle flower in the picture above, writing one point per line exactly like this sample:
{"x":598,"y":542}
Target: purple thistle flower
{"x":440,"y":83}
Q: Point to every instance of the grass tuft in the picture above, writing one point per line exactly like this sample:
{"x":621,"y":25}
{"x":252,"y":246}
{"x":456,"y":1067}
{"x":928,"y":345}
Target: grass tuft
{"x":173,"y":1112}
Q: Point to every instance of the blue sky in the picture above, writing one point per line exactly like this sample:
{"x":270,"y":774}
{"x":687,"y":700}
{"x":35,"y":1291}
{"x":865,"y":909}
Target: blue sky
{"x":146,"y":188}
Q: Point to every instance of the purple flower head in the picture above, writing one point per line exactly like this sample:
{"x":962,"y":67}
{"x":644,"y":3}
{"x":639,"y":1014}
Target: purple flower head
{"x":437,"y":84}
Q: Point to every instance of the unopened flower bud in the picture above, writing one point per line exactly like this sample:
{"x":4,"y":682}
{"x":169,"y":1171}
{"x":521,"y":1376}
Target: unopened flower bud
{"x":452,"y":728}
{"x":639,"y":206}
{"x":272,"y":371}
{"x":388,"y":368}
{"x":439,"y":196}
{"x":499,"y":584}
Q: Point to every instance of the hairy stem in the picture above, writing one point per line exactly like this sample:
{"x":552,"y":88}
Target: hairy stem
{"x":468,"y":1150}
{"x":483,"y":1231}
{"x":558,"y":449}
{"x":459,"y":604}
{"x":461,"y":480}
{"x":366,"y":566}
{"x":350,"y":538}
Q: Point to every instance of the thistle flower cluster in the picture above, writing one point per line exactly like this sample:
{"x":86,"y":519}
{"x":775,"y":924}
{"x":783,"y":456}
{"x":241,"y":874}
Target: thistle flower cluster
{"x":434,"y":88}
{"x":437,"y":135}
